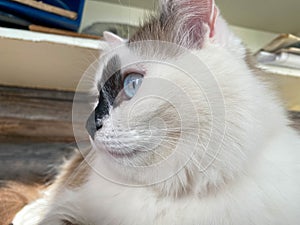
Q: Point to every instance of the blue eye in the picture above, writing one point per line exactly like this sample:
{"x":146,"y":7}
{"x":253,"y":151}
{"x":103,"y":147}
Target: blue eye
{"x":132,"y":82}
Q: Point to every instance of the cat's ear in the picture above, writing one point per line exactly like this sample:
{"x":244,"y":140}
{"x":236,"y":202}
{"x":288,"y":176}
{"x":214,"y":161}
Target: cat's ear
{"x":113,"y":39}
{"x":212,"y":21}
{"x":195,"y":19}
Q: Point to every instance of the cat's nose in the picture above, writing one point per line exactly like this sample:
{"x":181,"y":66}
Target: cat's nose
{"x":95,"y":120}
{"x":99,"y":123}
{"x":94,"y":123}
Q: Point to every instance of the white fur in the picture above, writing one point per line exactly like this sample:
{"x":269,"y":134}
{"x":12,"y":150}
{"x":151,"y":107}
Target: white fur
{"x":254,"y":179}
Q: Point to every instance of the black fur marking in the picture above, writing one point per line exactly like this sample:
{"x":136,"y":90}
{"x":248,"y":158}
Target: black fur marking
{"x":113,"y":84}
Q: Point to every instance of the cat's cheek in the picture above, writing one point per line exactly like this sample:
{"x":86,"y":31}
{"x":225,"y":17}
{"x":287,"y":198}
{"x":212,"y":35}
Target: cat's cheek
{"x":122,"y":97}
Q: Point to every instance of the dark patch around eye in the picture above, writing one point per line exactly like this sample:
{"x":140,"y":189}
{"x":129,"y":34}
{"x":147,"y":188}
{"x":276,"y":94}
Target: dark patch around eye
{"x":113,"y":84}
{"x":113,"y":79}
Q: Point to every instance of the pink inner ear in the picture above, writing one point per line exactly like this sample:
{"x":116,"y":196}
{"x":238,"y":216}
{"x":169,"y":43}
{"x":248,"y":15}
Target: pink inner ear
{"x":112,"y":38}
{"x":207,"y":12}
{"x":212,"y":21}
{"x":196,"y":13}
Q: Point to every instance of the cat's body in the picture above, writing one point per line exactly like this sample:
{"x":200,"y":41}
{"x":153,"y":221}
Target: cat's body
{"x":268,"y":194}
{"x":248,"y":175}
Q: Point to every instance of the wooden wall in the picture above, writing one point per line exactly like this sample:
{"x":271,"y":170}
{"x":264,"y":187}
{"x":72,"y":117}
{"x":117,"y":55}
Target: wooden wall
{"x":36,"y":132}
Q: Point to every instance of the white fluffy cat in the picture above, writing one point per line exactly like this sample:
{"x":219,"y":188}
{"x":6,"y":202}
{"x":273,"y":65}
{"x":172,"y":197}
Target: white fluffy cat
{"x":206,"y":143}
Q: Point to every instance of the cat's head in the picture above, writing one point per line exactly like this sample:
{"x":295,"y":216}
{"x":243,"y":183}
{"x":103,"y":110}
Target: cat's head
{"x":177,"y":102}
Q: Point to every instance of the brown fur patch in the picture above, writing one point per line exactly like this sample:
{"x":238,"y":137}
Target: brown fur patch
{"x":14,"y":196}
{"x":155,"y":29}
{"x":74,"y":172}
{"x":179,"y":22}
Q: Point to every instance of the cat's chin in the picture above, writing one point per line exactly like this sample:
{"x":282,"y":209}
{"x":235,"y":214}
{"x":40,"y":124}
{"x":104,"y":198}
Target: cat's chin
{"x":116,"y":153}
{"x":119,"y":155}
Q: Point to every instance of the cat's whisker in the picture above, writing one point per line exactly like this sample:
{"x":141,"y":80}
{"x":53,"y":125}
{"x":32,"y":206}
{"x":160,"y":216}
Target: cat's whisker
{"x":172,"y":142}
{"x":168,"y":138}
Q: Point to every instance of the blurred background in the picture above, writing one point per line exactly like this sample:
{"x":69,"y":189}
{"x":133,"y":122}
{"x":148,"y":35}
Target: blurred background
{"x":51,"y":61}
{"x":45,"y":47}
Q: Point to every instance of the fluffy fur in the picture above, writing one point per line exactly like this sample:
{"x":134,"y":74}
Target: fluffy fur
{"x":248,"y":175}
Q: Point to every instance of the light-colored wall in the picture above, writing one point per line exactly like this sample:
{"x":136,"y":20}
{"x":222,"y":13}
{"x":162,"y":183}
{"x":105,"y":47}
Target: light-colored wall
{"x":52,"y":61}
{"x":96,"y":11}
{"x":57,"y":62}
{"x":254,"y":39}
{"x":106,"y":12}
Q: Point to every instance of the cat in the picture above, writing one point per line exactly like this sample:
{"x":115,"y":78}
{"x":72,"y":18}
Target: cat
{"x":185,"y":131}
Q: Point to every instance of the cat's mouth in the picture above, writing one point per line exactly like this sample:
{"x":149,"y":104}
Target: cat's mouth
{"x":118,"y":154}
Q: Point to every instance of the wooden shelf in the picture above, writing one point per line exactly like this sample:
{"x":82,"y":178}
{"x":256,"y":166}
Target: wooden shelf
{"x":36,"y":115}
{"x":24,"y":35}
{"x":33,"y":59}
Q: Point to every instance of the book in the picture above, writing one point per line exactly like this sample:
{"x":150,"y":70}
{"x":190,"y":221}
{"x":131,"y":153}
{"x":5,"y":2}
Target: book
{"x":48,"y":8}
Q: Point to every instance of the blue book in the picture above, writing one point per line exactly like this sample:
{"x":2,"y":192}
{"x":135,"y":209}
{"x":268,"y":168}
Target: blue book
{"x":40,"y":17}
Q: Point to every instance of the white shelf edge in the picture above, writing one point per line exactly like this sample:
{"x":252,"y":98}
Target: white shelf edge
{"x":52,"y":38}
